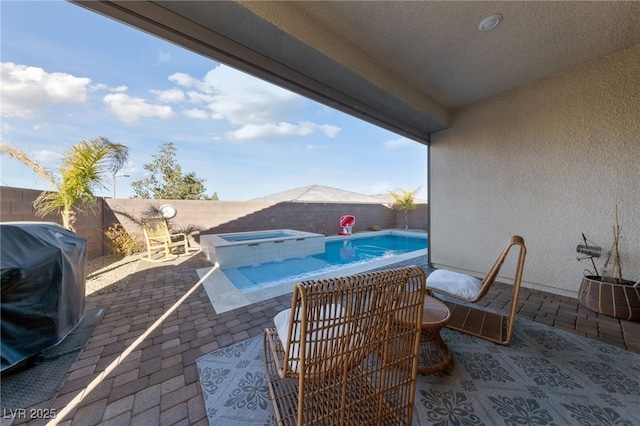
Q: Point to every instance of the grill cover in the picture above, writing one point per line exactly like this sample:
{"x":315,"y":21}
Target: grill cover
{"x":43,"y":287}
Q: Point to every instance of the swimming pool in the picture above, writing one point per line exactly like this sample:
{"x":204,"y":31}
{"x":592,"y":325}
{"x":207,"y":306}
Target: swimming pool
{"x":226,"y":296}
{"x":339,"y":253}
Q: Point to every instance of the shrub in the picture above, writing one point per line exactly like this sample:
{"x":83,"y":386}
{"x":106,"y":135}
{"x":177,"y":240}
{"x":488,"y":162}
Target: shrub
{"x":374,"y":228}
{"x":120,"y":242}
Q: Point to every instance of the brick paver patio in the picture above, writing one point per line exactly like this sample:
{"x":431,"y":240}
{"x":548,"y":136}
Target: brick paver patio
{"x":157,"y":383}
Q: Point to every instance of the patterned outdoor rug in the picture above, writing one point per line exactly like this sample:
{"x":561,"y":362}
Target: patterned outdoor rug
{"x":545,"y":377}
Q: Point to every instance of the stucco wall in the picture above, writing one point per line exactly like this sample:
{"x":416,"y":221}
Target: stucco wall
{"x":549,"y":162}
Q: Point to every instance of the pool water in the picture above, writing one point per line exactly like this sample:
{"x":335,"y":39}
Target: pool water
{"x":338,"y":254}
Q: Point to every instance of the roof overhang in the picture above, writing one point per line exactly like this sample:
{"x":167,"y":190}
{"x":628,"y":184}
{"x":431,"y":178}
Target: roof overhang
{"x":406,"y":66}
{"x":225,"y":32}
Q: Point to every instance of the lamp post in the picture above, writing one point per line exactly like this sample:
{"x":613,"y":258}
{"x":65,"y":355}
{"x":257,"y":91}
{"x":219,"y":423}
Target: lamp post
{"x":114,"y":183}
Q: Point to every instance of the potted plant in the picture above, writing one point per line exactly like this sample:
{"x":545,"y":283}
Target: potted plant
{"x":608,"y":293}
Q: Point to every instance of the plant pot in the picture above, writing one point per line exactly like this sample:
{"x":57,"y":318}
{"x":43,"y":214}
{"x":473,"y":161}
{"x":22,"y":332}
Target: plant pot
{"x":612,"y":299}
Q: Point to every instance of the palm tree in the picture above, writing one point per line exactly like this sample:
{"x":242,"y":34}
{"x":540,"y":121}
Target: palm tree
{"x":85,"y":167}
{"x":404,"y":201}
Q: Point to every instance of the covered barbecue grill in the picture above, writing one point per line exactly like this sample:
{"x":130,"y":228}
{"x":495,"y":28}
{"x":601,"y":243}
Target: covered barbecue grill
{"x":43,"y":287}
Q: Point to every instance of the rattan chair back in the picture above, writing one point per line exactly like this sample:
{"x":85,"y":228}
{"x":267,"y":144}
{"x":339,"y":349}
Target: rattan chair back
{"x":348,"y":355}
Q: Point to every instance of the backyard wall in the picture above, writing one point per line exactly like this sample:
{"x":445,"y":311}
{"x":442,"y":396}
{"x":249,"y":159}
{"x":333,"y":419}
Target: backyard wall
{"x":548,"y":162}
{"x":213,"y":217}
{"x":210,"y":217}
{"x":17,"y":206}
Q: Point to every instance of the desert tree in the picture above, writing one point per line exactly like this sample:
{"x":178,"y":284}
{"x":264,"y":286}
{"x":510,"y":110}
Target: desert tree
{"x":165,"y":180}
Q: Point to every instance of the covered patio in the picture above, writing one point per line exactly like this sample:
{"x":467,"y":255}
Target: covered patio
{"x":532,"y":129}
{"x":157,"y":382}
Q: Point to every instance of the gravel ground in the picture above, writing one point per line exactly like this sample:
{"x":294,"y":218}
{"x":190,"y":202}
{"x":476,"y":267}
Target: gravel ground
{"x":107,"y":274}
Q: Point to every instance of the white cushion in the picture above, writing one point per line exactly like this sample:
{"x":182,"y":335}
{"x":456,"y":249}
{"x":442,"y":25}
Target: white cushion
{"x":454,"y":283}
{"x":328,"y":316}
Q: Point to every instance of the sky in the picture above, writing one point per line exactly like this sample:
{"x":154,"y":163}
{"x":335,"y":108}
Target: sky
{"x":69,"y":74}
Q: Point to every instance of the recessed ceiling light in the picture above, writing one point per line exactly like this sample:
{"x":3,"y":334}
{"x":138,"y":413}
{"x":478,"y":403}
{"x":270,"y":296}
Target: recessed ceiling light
{"x":490,"y":23}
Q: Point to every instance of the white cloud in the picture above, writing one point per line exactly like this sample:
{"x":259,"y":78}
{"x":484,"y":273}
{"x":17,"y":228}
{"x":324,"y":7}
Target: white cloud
{"x":48,"y":158}
{"x":270,"y":131}
{"x":398,"y":143}
{"x":200,"y":98}
{"x":44,"y":127}
{"x":102,"y":86}
{"x":197,"y":113}
{"x":129,"y":109}
{"x":329,"y":130}
{"x":26,"y":90}
{"x":183,"y":79}
{"x":98,"y":86}
{"x":277,"y":131}
{"x":257,"y":109}
{"x":171,"y":95}
{"x":245,"y":100}
{"x":129,"y":169}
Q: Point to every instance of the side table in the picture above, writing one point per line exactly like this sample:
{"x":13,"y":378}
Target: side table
{"x":435,"y":355}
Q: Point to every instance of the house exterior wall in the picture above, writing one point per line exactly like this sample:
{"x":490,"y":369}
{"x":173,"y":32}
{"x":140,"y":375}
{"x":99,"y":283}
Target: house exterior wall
{"x":548,"y":161}
{"x":211,"y":217}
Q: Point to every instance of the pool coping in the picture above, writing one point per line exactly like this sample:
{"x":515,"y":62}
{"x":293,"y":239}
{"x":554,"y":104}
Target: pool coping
{"x":224,"y":296}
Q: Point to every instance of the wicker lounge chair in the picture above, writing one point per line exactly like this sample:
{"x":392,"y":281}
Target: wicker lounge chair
{"x":339,"y":356}
{"x":158,"y":238}
{"x":460,"y":293}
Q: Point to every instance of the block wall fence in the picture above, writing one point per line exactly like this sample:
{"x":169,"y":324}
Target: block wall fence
{"x":212,"y":217}
{"x":16,"y":205}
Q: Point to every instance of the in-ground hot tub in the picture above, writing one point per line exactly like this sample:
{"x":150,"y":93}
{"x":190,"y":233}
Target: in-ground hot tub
{"x":249,"y":248}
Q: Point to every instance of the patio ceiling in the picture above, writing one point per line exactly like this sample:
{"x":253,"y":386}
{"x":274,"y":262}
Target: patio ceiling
{"x":405,"y":66}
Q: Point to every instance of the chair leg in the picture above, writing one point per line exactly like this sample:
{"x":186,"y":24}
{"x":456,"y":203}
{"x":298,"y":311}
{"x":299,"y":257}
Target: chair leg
{"x":513,"y":308}
{"x":283,"y":391}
